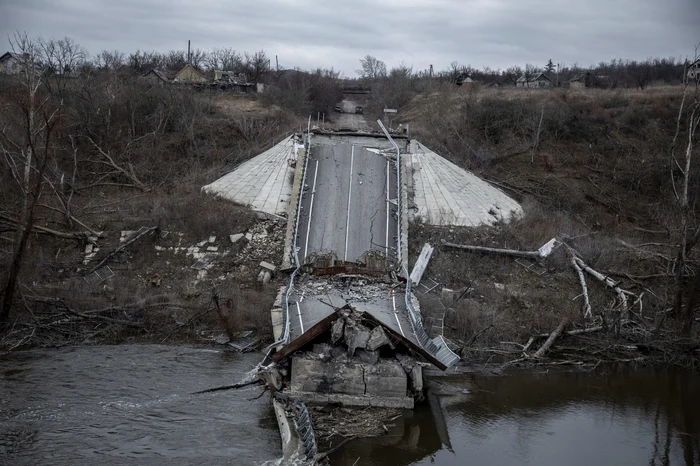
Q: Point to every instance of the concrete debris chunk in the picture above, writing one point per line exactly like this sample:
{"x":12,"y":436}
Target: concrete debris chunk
{"x":337,"y":330}
{"x":235,"y":238}
{"x":377,"y":339}
{"x":368,"y":357}
{"x":407,"y":362}
{"x":356,"y":336}
{"x":264,"y":277}
{"x":249,"y":236}
{"x":267,"y":266}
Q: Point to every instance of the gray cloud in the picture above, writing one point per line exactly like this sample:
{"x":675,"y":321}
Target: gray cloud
{"x":311,"y":33}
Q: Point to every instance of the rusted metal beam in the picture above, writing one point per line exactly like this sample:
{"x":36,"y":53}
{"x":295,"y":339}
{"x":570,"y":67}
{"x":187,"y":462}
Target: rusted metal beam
{"x":309,"y":335}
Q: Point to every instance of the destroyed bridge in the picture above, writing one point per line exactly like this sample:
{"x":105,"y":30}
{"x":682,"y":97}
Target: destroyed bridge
{"x":347,"y":324}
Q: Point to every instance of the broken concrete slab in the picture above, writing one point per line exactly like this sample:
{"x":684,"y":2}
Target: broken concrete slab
{"x":235,"y":238}
{"x":445,"y":194}
{"x":270,"y":267}
{"x":421,"y":264}
{"x":263,"y":183}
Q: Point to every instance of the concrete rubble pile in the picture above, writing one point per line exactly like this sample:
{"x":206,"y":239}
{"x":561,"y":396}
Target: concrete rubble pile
{"x":358,"y":366}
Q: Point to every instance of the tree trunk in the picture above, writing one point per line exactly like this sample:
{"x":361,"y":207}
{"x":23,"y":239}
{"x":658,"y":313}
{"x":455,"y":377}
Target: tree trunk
{"x":25,"y":229}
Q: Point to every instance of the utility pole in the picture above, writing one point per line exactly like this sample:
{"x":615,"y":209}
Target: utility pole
{"x":277,"y":63}
{"x":189,"y":54}
{"x":431,"y":71}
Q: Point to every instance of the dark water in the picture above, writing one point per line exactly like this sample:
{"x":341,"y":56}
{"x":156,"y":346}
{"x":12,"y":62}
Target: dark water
{"x":130,"y":405}
{"x":114,"y":405}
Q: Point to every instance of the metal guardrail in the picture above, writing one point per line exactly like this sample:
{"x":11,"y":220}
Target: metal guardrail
{"x":398,"y":189}
{"x":284,"y":339}
{"x":437,"y":346}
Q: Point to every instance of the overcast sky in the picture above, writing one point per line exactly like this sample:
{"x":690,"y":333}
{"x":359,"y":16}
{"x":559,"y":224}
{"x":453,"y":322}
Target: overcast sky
{"x":332,"y":33}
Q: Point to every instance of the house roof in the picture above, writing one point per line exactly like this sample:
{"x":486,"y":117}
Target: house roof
{"x":538,"y":77}
{"x":188,"y":66}
{"x":6,"y":56}
{"x":158,"y":74}
{"x":580,"y":77}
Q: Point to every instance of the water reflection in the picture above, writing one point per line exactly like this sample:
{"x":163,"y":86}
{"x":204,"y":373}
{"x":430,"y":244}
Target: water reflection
{"x":616,"y":416}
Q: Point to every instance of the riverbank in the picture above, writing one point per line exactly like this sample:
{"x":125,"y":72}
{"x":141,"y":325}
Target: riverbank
{"x":593,"y":171}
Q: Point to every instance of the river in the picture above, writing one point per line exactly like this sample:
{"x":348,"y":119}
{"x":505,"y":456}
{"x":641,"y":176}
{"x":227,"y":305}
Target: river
{"x":131,"y":404}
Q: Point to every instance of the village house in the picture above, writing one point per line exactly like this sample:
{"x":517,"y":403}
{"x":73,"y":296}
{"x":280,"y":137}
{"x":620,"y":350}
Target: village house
{"x":156,"y":77}
{"x":581,"y":81}
{"x":693,"y":71}
{"x":539,"y":81}
{"x":189,"y":74}
{"x":464,"y":81}
{"x":10,"y":63}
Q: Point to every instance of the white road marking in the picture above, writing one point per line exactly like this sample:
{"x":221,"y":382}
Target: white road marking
{"x":311,"y":209}
{"x":301,"y":321}
{"x":396,"y":314}
{"x":347,"y":223}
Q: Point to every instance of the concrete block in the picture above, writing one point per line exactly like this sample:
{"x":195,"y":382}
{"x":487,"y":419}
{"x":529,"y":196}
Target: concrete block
{"x":387,"y":378}
{"x":377,"y":338}
{"x":264,"y":277}
{"x":235,"y":238}
{"x":267,"y":266}
{"x":356,"y":336}
{"x":313,"y":375}
{"x":416,"y":378}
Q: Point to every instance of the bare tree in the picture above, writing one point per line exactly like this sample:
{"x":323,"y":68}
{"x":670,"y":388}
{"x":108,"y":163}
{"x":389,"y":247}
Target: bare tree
{"x":62,"y":55}
{"x":109,"y":60}
{"x":26,"y":152}
{"x":198,"y":58}
{"x":256,"y":65}
{"x":530,"y":72}
{"x":512,"y":74}
{"x":372,"y":68}
{"x":689,"y":229}
{"x":145,"y":61}
{"x":224,"y":59}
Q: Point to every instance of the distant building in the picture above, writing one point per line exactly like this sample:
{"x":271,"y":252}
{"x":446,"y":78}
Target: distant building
{"x":229,"y":77}
{"x":581,"y":81}
{"x":464,"y":81}
{"x":10,"y":63}
{"x":189,"y":74}
{"x":156,"y":77}
{"x":693,"y":71}
{"x":539,"y":81}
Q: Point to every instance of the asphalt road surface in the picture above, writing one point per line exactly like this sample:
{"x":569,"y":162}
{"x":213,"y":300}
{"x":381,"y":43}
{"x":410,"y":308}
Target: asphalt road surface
{"x":349,"y":119}
{"x":349,"y":200}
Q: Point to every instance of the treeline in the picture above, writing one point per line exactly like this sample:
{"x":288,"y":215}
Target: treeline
{"x":617,"y":73}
